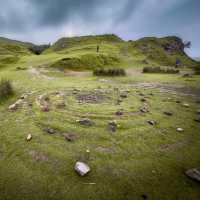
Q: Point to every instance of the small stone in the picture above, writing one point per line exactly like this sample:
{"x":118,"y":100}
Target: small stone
{"x":168,"y":113}
{"x":85,"y":122}
{"x":197,"y":119}
{"x":180,"y":129}
{"x":143,"y":100}
{"x":119,"y":113}
{"x":13,"y":107}
{"x":82,"y":168}
{"x":112,"y":126}
{"x":193,"y":174}
{"x":186,"y":105}
{"x":152,"y":122}
{"x":144,"y":110}
{"x":24,"y":96}
{"x":29,"y":137}
{"x":198,"y":111}
{"x":45,"y":108}
{"x":50,"y":131}
{"x":178,"y":101}
{"x":70,"y":137}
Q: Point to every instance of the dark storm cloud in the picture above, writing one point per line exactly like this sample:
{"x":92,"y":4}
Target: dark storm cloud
{"x":51,"y":12}
{"x":47,"y":20}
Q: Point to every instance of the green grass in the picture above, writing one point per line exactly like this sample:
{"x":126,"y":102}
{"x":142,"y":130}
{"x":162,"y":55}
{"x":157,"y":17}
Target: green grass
{"x":139,"y":159}
{"x":6,"y":90}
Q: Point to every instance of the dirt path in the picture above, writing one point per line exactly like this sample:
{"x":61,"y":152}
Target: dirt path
{"x":37,"y":73}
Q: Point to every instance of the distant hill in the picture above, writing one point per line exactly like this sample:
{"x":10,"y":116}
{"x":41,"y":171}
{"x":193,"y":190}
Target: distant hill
{"x":113,"y":51}
{"x":146,"y":51}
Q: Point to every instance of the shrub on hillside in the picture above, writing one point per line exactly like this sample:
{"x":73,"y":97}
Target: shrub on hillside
{"x":6,"y":89}
{"x":160,"y":70}
{"x":109,"y":72}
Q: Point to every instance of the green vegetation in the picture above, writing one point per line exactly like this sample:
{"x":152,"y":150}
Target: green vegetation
{"x":109,"y":72}
{"x":6,"y":89}
{"x":87,"y":61}
{"x":161,"y":70}
{"x":137,"y":160}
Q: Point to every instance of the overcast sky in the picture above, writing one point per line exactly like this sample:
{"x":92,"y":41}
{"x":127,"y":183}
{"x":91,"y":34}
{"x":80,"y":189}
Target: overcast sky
{"x":43,"y":21}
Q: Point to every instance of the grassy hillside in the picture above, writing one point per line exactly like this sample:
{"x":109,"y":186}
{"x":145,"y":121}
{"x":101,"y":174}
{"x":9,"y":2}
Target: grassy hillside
{"x":144,"y":52}
{"x":11,"y":50}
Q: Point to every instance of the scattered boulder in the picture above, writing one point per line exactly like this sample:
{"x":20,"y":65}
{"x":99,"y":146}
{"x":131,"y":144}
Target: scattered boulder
{"x":143,"y":100}
{"x":193,"y":174}
{"x":198,"y":111}
{"x":112,"y":126}
{"x":45,"y":108}
{"x":119,"y":113}
{"x":144,"y":110}
{"x":178,"y":101}
{"x":82,"y":168}
{"x":71,"y":137}
{"x":13,"y":107}
{"x":85,"y":122}
{"x":50,"y":131}
{"x":152,"y":122}
{"x":168,"y":113}
{"x":186,"y":105}
{"x":29,"y":137}
{"x":180,"y":129}
{"x":24,"y":96}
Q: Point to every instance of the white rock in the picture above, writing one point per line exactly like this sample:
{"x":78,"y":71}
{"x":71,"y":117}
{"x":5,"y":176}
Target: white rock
{"x":179,"y":129}
{"x":13,"y":107}
{"x":186,"y":105}
{"x":29,"y":137}
{"x":81,"y":168}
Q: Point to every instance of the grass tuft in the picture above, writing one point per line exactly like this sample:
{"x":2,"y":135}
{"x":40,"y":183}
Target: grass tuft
{"x":6,"y":89}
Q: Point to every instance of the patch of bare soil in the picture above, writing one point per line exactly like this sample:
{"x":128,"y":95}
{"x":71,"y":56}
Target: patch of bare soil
{"x":39,"y":73}
{"x":78,"y":73}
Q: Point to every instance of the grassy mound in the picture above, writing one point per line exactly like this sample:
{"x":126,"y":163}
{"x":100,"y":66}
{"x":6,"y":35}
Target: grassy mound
{"x":70,"y":42}
{"x":87,"y":61}
{"x":6,"y":89}
{"x":109,"y":72}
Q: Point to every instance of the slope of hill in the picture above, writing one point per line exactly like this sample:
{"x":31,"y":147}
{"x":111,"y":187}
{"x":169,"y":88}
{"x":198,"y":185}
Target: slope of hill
{"x":10,"y":50}
{"x":167,"y":51}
